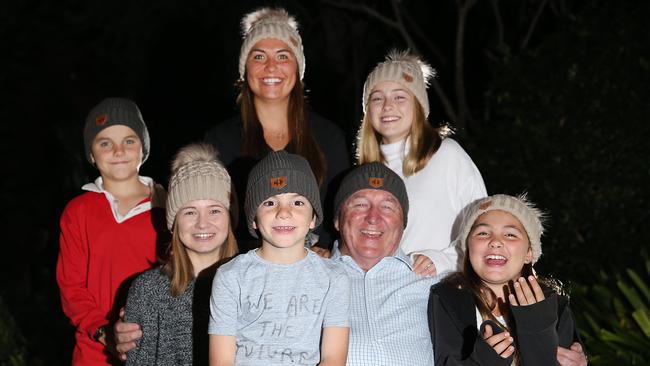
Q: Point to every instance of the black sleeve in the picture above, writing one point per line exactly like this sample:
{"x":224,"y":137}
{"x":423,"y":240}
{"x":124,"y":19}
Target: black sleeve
{"x":537,"y":337}
{"x":567,"y":330}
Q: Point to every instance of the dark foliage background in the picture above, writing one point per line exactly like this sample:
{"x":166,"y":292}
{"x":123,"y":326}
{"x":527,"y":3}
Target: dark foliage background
{"x":553,"y":100}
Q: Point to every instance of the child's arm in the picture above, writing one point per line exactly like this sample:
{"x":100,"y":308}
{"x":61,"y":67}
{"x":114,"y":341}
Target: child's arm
{"x":72,"y":271}
{"x":536,"y":317}
{"x":223,"y":318}
{"x":222,"y":350}
{"x":334,"y":346}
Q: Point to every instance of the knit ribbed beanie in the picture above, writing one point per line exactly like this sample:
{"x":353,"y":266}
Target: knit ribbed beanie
{"x":267,"y":23}
{"x":280,"y":172}
{"x":530,"y":217}
{"x":115,"y":111}
{"x":373,"y":175}
{"x":403,"y":68}
{"x":197,"y":174}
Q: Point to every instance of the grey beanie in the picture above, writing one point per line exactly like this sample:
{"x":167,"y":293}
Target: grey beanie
{"x":115,"y":111}
{"x":403,"y":68}
{"x":373,"y":175}
{"x":197,"y":174}
{"x":267,"y":23}
{"x":280,"y":172}
{"x":530,"y":217}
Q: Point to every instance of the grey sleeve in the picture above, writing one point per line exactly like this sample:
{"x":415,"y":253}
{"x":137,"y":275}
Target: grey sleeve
{"x":223,"y":305}
{"x":337,"y":303}
{"x":140,"y":308}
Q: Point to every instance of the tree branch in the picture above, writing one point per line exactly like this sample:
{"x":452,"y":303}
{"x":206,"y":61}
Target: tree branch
{"x":463,"y":115}
{"x":498,"y":21}
{"x":363,"y":9}
{"x":532,"y":26}
{"x":441,"y":59}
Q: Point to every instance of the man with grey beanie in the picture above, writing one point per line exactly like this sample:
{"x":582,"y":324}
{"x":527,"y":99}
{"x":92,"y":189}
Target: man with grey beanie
{"x":388,"y":306}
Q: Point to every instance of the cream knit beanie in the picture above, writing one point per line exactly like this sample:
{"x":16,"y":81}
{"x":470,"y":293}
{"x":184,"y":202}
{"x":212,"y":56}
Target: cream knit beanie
{"x":197,"y":174}
{"x":404,"y":68}
{"x":529,"y":216}
{"x":267,"y":23}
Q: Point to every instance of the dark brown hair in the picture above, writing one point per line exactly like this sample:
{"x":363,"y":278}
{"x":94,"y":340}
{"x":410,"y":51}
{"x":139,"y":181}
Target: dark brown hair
{"x":301,"y":139}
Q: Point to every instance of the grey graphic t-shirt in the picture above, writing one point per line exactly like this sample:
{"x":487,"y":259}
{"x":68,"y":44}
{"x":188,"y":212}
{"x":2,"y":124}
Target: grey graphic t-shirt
{"x":277,"y":311}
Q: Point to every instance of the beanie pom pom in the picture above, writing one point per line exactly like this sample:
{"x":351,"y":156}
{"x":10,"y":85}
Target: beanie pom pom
{"x":194,"y":153}
{"x":267,"y":15}
{"x":536,"y":212}
{"x":427,"y":71}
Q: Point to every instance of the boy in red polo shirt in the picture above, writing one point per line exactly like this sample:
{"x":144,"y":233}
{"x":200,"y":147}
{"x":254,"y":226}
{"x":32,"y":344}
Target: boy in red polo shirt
{"x":109,"y":233}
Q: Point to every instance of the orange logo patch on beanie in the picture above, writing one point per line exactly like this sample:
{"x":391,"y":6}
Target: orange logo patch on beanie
{"x":278,"y":182}
{"x":101,"y":119}
{"x":375,"y":182}
{"x":485,"y":205}
{"x":407,"y":77}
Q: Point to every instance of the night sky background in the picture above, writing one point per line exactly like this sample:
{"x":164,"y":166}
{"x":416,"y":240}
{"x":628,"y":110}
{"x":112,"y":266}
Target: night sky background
{"x":547,"y":96}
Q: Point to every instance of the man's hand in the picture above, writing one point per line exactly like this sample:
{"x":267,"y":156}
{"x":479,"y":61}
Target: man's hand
{"x":573,"y":356}
{"x":423,"y":266}
{"x":125,"y":335}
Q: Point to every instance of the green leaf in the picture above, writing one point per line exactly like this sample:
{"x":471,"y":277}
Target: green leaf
{"x":639,"y":283}
{"x":643,"y":320}
{"x":631,"y":294}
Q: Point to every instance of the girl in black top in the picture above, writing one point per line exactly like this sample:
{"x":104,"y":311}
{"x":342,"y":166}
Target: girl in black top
{"x":495,"y":311}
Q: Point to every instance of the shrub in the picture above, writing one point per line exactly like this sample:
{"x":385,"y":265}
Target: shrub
{"x":615,"y":317}
{"x":12,"y":343}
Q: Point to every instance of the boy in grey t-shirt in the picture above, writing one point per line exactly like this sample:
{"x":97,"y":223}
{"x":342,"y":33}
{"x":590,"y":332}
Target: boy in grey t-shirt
{"x":280,"y":304}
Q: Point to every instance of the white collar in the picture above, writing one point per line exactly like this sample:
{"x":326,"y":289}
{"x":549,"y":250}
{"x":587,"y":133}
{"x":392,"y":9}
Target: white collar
{"x":98,"y":187}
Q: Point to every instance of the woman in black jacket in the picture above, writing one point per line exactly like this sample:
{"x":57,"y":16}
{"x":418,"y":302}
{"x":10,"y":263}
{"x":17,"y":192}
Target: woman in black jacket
{"x":495,"y":311}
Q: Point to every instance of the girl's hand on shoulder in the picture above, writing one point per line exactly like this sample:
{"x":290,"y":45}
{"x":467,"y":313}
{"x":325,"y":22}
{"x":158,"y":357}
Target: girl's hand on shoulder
{"x":501,"y":343}
{"x":424,"y":266}
{"x":526,"y":292}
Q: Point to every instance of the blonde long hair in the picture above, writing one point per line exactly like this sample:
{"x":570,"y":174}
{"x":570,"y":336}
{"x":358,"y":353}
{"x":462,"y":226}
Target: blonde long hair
{"x":424,"y":141}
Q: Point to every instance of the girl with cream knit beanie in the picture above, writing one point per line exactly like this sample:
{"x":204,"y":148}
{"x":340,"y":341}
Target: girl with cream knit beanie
{"x":496,"y":311}
{"x":171,"y":303}
{"x":440,"y":177}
